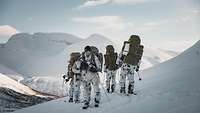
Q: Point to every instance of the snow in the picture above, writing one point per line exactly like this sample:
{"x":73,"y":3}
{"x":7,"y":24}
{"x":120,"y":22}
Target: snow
{"x":31,"y":54}
{"x":42,"y":58}
{"x":47,"y":53}
{"x":170,"y":87}
{"x":46,"y":84}
{"x":52,"y":83}
{"x":14,"y":85}
{"x":153,"y":56}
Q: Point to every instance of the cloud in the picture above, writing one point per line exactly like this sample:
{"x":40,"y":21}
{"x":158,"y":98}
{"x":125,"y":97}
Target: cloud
{"x":104,"y":22}
{"x":195,"y":11}
{"x":151,"y":25}
{"x":7,"y":30}
{"x":92,"y":3}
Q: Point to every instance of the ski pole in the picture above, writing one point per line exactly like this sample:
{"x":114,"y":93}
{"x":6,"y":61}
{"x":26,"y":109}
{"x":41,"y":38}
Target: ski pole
{"x":63,"y":87}
{"x":139,"y":76}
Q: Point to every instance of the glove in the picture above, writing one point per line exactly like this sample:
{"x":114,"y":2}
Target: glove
{"x":137,"y":68}
{"x":92,"y":68}
{"x":65,"y":77}
{"x":117,"y":66}
{"x":84,"y":65}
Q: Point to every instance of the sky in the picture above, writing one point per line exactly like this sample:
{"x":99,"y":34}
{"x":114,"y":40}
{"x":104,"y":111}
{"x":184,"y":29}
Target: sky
{"x":166,"y":24}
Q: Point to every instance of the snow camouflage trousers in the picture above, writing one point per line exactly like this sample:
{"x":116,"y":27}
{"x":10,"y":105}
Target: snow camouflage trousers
{"x":127,"y":72}
{"x":110,"y":79}
{"x":91,"y":80}
{"x":74,"y":89}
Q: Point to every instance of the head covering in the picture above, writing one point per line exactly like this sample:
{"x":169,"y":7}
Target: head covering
{"x":87,"y":48}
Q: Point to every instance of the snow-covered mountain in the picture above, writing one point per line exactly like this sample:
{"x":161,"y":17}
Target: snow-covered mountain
{"x":170,"y":87}
{"x":31,"y":54}
{"x":47,"y":53}
{"x":11,"y":100}
{"x":14,"y":95}
{"x":16,"y":86}
{"x":41,"y":58}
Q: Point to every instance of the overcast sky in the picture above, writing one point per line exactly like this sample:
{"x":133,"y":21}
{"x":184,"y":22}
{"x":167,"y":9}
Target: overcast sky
{"x":165,"y":24}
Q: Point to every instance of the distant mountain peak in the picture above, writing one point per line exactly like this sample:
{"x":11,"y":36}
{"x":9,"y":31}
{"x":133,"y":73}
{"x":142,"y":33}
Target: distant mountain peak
{"x":97,"y":36}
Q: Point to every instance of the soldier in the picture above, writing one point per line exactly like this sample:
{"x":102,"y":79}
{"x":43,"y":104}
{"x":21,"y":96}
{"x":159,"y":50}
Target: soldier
{"x":110,"y":68}
{"x":74,"y":76}
{"x":129,"y":60}
{"x":90,"y":66}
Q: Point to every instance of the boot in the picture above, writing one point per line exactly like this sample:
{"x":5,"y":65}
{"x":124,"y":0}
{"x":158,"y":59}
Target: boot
{"x":96,"y":103}
{"x":86,"y":105}
{"x":112,"y":88}
{"x":70,"y":100}
{"x":77,"y":101}
{"x":108,"y":90}
{"x":122,"y":90}
{"x":130,"y":89}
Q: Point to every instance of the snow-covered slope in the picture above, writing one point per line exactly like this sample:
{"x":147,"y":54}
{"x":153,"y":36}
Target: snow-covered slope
{"x":153,"y":56}
{"x":46,"y":84}
{"x":14,"y":85}
{"x":11,"y":100}
{"x":170,"y":87}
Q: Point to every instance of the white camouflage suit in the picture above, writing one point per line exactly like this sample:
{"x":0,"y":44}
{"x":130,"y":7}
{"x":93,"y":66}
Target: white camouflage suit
{"x":127,"y":72}
{"x":91,"y":79}
{"x":110,"y":79}
{"x":75,"y":83}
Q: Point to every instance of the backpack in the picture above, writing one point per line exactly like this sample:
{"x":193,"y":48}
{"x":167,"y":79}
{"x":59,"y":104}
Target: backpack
{"x":140,"y":52}
{"x":135,"y":51}
{"x":99,"y":55}
{"x":73,"y":58}
{"x":110,"y":58}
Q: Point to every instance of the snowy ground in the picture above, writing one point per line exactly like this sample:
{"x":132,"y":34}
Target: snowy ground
{"x":171,"y":87}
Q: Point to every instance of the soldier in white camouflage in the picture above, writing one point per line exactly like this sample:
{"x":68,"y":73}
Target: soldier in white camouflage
{"x":110,"y":68}
{"x":129,"y":60}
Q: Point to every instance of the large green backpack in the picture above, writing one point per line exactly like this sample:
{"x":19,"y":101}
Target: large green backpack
{"x":140,"y":53}
{"x":135,"y":52}
{"x":74,"y":56}
{"x":110,"y":58}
